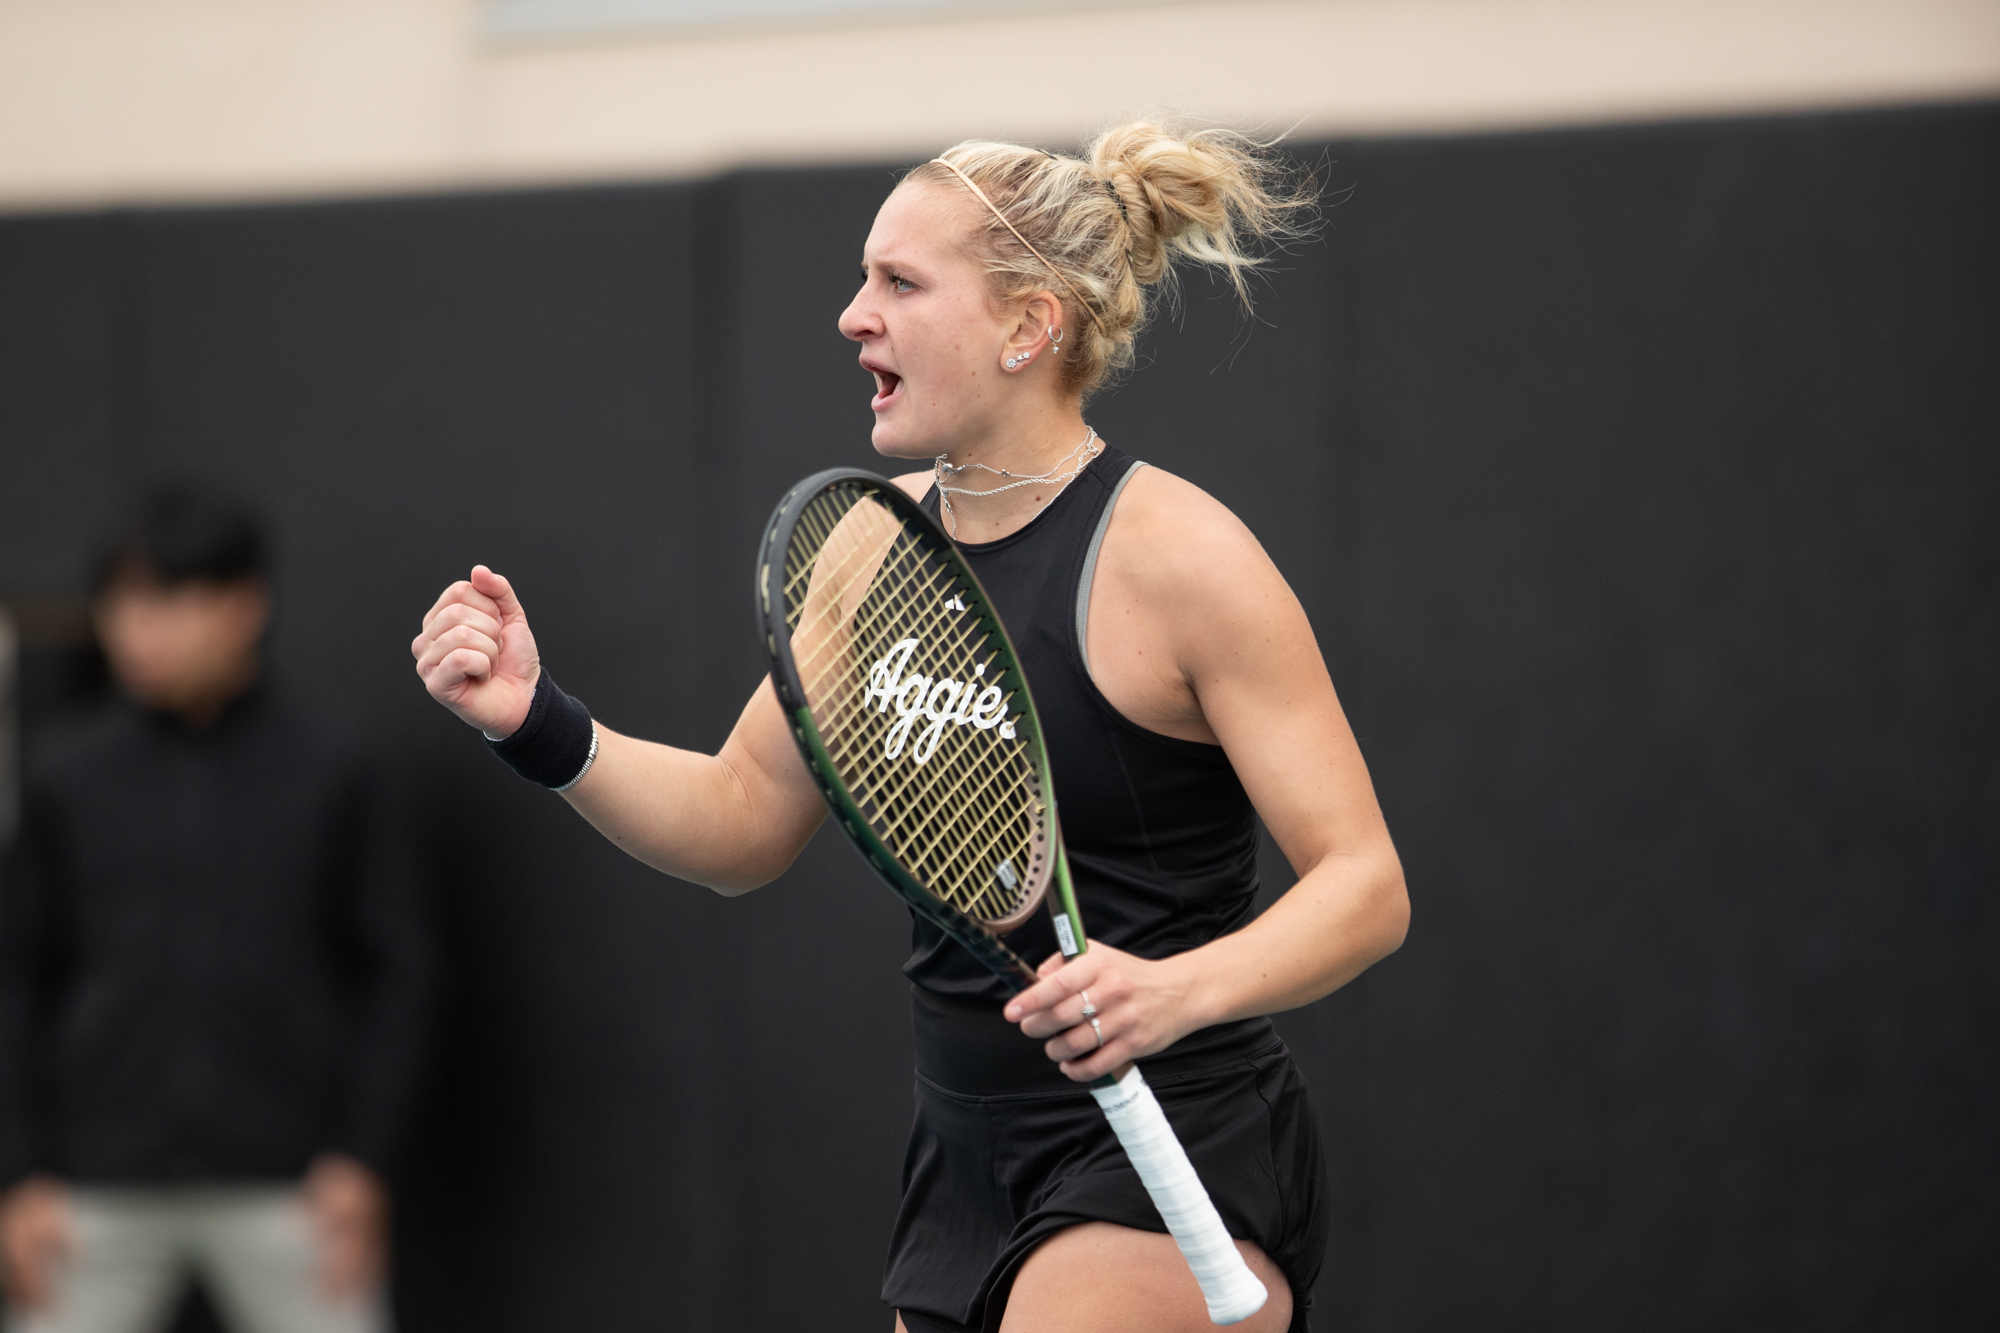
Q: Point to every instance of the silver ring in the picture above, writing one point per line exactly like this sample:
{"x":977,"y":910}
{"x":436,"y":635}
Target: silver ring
{"x":1099,"y":1031}
{"x":1089,"y":1009}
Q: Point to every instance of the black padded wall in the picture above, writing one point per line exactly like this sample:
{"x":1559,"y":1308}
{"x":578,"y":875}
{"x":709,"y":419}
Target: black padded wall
{"x":1641,"y":483}
{"x":1680,"y":491}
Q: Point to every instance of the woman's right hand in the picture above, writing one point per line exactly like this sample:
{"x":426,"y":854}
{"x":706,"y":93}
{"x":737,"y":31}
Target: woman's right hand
{"x":476,"y":655}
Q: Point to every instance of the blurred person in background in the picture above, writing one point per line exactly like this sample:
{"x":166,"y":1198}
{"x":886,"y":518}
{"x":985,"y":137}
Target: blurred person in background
{"x":212,"y":974}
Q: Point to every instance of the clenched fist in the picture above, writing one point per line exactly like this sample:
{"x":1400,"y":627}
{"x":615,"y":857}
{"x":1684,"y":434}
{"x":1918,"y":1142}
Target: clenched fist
{"x":476,"y":655}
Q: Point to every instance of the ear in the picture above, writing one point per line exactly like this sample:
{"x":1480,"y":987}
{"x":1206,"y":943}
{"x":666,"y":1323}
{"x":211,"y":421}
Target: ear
{"x":1030,"y":336}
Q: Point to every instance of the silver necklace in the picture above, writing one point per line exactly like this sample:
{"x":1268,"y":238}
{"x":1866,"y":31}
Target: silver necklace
{"x":1061,"y":475}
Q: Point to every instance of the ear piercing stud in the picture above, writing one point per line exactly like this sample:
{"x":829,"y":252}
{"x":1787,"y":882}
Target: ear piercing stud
{"x":1015,"y":362}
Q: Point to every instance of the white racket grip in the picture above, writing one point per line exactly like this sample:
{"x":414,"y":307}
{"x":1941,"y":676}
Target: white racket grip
{"x":1231,"y":1289}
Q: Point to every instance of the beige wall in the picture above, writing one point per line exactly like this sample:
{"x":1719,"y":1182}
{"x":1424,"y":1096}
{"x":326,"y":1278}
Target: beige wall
{"x":105,"y":101}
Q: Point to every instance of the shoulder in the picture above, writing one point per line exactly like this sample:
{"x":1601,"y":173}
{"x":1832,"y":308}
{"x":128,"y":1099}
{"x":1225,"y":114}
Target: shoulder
{"x":1170,"y":535}
{"x":1191,"y":576}
{"x":914,"y":484}
{"x":1187,"y":569}
{"x":78,"y":746}
{"x":304,"y":759}
{"x":307,"y":739}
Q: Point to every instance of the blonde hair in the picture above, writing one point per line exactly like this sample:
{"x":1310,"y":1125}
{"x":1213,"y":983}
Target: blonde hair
{"x":1112,"y":226}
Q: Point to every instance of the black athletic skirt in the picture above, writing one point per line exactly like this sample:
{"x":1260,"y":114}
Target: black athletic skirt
{"x":989,"y":1176}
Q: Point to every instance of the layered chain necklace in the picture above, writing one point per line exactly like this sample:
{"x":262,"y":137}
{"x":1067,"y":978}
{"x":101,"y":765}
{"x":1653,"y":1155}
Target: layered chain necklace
{"x":1059,"y":476}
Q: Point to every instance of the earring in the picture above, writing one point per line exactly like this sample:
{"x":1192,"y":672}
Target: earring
{"x":1055,"y":340}
{"x":1014,"y":361}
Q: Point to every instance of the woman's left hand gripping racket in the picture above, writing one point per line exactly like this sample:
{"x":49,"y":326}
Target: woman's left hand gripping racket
{"x":913,"y":714}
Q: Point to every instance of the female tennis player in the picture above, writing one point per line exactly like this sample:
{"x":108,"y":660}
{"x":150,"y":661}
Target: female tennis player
{"x":1182,"y":695}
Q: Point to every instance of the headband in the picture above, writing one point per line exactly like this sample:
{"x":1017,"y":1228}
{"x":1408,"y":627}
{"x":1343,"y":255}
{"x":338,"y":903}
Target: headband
{"x":981,"y":195}
{"x":1117,"y":199}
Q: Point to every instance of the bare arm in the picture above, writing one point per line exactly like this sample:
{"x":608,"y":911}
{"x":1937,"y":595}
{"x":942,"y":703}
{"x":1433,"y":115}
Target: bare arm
{"x":1208,"y":643}
{"x":1247,"y":650}
{"x":732,"y":820}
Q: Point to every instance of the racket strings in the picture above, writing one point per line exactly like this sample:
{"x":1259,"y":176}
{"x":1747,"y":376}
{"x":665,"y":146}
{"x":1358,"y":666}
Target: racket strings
{"x":965,"y":865}
{"x":828,"y":583}
{"x":921,"y":797}
{"x":980,"y":769}
{"x":851,"y":595}
{"x":848,"y":712}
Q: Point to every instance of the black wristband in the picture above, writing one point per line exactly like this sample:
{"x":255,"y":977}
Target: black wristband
{"x":556,"y":745}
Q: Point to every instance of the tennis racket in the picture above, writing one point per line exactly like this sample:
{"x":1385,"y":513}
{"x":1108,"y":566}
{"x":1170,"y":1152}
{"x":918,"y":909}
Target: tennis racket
{"x":912,"y":712}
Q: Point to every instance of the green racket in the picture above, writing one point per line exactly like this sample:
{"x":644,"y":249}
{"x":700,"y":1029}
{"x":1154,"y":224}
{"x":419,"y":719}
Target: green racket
{"x":912,"y":712}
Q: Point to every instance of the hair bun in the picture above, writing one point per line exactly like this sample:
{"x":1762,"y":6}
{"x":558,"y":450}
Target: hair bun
{"x":1191,"y":194}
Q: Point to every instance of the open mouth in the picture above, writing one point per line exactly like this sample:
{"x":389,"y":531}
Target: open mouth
{"x":888,"y":384}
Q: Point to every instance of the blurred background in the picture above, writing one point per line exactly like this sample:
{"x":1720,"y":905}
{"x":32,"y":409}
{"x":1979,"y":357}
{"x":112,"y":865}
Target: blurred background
{"x":1632,"y":436}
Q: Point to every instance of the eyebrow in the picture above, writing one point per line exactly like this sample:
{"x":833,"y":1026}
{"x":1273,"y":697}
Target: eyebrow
{"x":900,"y":265}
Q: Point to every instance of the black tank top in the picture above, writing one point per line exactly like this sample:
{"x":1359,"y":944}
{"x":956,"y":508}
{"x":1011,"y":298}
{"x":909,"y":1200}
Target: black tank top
{"x":1161,"y":836}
